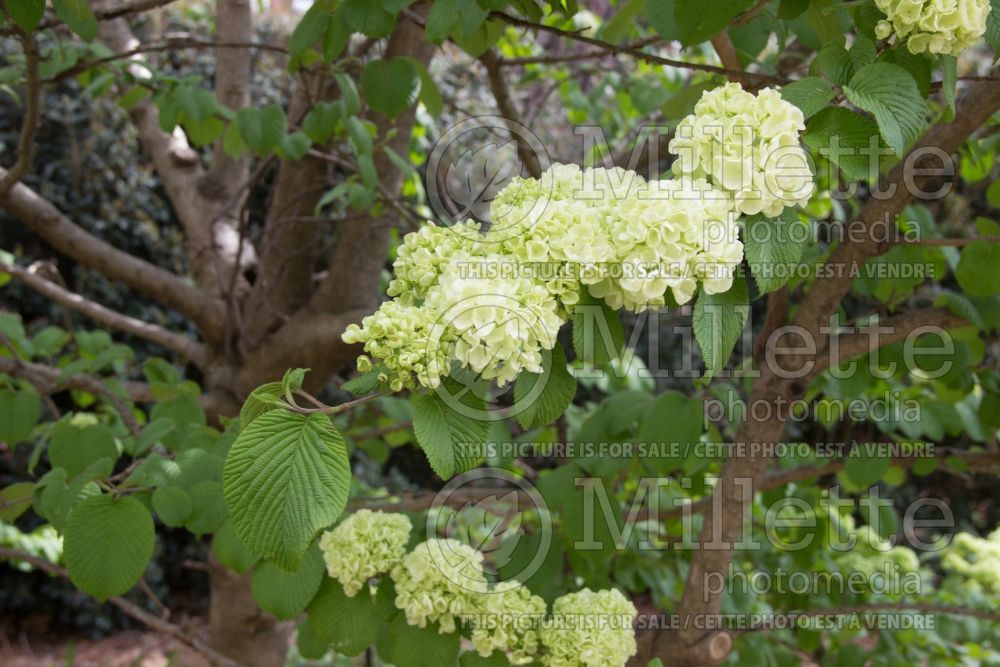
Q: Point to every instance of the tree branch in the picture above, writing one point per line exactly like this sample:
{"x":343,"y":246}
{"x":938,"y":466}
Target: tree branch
{"x":891,"y":330}
{"x":508,"y":109}
{"x":131,"y":609}
{"x":49,"y":223}
{"x":191,"y":350}
{"x":29,"y":127}
{"x":733,"y":74}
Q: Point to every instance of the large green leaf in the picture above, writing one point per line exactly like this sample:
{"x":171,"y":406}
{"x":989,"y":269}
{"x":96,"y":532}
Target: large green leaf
{"x":74,"y":448}
{"x":810,"y":94}
{"x":406,"y":645}
{"x":843,"y":137}
{"x":172,"y":504}
{"x":448,"y":437}
{"x":108,"y":544}
{"x":597,"y":331}
{"x":773,"y":247}
{"x":390,"y":86}
{"x":27,"y":13}
{"x":262,"y":129}
{"x":993,"y":27}
{"x":19,"y":410}
{"x":718,"y":322}
{"x":15,"y":500}
{"x":890,"y":93}
{"x":349,"y":624}
{"x":672,"y":418}
{"x":77,"y":15}
{"x":230,"y":551}
{"x":541,"y":398}
{"x":977,"y":271}
{"x":286,"y":477}
{"x":285,"y":594}
{"x":692,"y":22}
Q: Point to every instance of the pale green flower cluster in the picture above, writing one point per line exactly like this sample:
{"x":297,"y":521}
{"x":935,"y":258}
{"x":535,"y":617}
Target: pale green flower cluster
{"x":364,"y":545}
{"x":937,"y":26}
{"x":509,"y":618}
{"x":494,"y":301}
{"x":747,"y":145}
{"x":872,"y":554}
{"x":975,"y":558}
{"x":625,"y":240}
{"x":589,"y":629}
{"x":440,"y":581}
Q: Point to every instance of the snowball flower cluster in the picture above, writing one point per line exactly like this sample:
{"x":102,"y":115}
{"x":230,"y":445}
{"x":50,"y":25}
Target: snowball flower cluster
{"x":938,"y":26}
{"x":747,"y":145}
{"x":440,"y":581}
{"x":591,"y":629}
{"x":975,"y":558}
{"x":873,"y":555}
{"x":508,"y":618}
{"x":363,"y":546}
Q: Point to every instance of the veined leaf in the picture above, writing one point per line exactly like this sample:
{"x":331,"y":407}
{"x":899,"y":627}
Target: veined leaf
{"x":286,"y":477}
{"x":718,"y":322}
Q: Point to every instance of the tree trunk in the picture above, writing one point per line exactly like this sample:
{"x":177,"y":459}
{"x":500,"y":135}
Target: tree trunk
{"x":238,"y":628}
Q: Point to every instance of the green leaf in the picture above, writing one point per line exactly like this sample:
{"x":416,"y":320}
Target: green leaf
{"x":993,"y":27}
{"x":853,"y":135}
{"x":311,"y":28}
{"x":310,"y":646}
{"x":230,"y":551}
{"x":949,"y":79}
{"x":692,"y":22}
{"x":977,"y":271}
{"x":863,"y":468}
{"x":77,"y":15}
{"x":27,"y":13}
{"x":321,"y":121}
{"x":390,"y":86}
{"x":285,"y":594}
{"x":348,"y":624}
{"x":773,"y":247}
{"x":368,"y":18}
{"x":430,"y":94}
{"x":440,"y":19}
{"x":209,"y":508}
{"x":448,"y":438}
{"x":718,"y":322}
{"x":540,"y":398}
{"x":261,"y":400}
{"x":108,"y":544}
{"x":473,"y":659}
{"x":262,"y":129}
{"x":672,"y":418}
{"x":172,"y":504}
{"x":294,"y":146}
{"x":19,"y":412}
{"x":597,"y":332}
{"x":889,"y":93}
{"x":15,"y":500}
{"x":286,"y":477}
{"x":152,"y":433}
{"x":74,"y":448}
{"x":810,"y":94}
{"x":406,"y":645}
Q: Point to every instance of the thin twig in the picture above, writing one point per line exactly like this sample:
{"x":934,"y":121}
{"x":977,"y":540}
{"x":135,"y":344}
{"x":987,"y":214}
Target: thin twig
{"x":29,"y":127}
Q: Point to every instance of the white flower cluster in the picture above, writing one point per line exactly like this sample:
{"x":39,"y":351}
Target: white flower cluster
{"x":363,"y":546}
{"x":589,"y":629}
{"x":747,"y":145}
{"x":440,"y":581}
{"x":938,"y":26}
